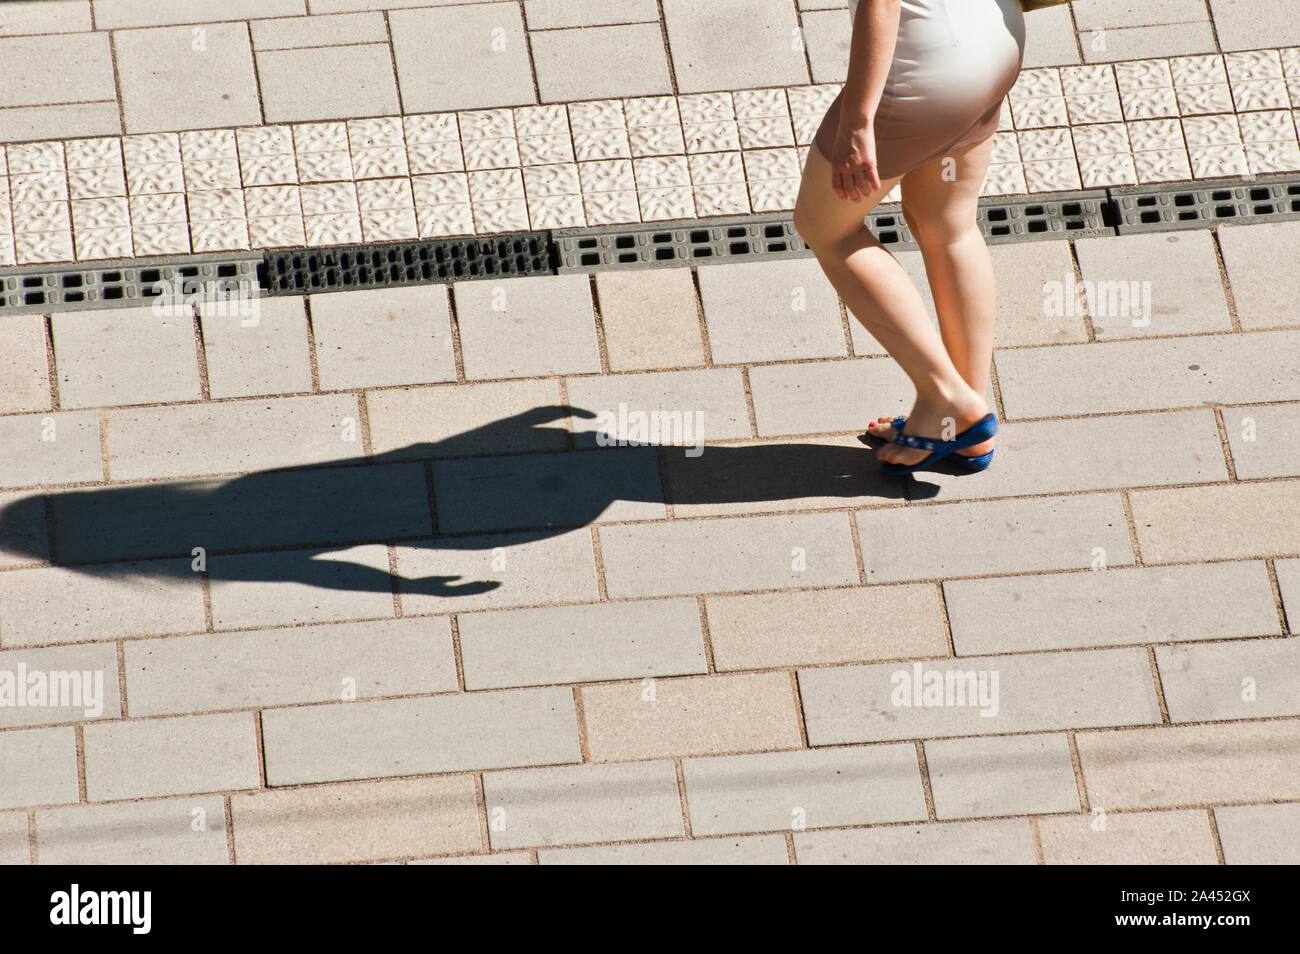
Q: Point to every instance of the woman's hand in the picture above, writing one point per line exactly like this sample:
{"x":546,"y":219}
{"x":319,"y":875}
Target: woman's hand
{"x":854,"y":174}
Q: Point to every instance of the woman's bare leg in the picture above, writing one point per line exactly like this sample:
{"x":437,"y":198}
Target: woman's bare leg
{"x":880,"y":294}
{"x":939,"y":204}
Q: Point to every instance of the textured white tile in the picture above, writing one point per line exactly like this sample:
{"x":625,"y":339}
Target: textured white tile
{"x":1290,"y":58}
{"x":760,"y":103}
{"x":771,"y":164}
{"x":1006,"y":121}
{"x":766,"y":133}
{"x":431,"y":127}
{"x":1037,"y":84}
{"x":331,"y":166}
{"x":1253,"y":65}
{"x":805,"y":127}
{"x":605,"y":208}
{"x":722,"y":198}
{"x":1275,"y":126}
{"x":320,"y":137}
{"x":658,"y":205}
{"x":441,"y":189}
{"x":610,"y":175}
{"x":276,"y":231}
{"x":1085,"y":80}
{"x":219,"y":235}
{"x":216,"y":204}
{"x":1162,"y":165}
{"x":652,"y":111}
{"x":204,"y":144}
{"x":39,"y":187}
{"x":380,"y":162}
{"x":96,"y":182}
{"x":1261,"y":94}
{"x":1041,"y":144}
{"x":486,"y":124}
{"x":35,"y":157}
{"x":706,"y":108}
{"x":93,"y":153}
{"x":37,"y":247}
{"x":601,"y":144}
{"x":545,"y":150}
{"x":7,"y":257}
{"x":550,"y":180}
{"x":338,"y":228}
{"x":334,"y":198}
{"x":160,"y":238}
{"x":1150,"y":103}
{"x":152,"y":178}
{"x":1267,"y":157}
{"x":811,"y":99}
{"x":100,"y":214}
{"x":376,"y":194}
{"x":556,"y":211}
{"x":1052,"y":175}
{"x":552,"y":120}
{"x":1156,"y":134}
{"x":1006,"y":148}
{"x":1105,"y":139}
{"x":149,"y":148}
{"x":661,"y":172}
{"x":1201,"y":131}
{"x":160,"y":208}
{"x":1208,"y":98}
{"x":501,"y":215}
{"x":451,"y":219}
{"x":385,"y":131}
{"x":40,"y":217}
{"x":716,"y":168}
{"x":1211,"y":162}
{"x":386,"y":225}
{"x":1040,"y":111}
{"x":104,"y":243}
{"x":1143,"y":74}
{"x":1094,"y":108}
{"x":655,"y":141}
{"x":773,"y":195}
{"x":1097,"y":171}
{"x":264,"y":141}
{"x":268,"y":169}
{"x":434,"y":157}
{"x":597,"y":114}
{"x":491,"y":153}
{"x":1197,"y":70}
{"x":496,"y":185}
{"x":212,"y":174}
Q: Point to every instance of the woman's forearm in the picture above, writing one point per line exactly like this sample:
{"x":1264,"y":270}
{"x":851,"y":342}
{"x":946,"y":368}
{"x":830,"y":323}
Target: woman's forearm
{"x":875,"y":31}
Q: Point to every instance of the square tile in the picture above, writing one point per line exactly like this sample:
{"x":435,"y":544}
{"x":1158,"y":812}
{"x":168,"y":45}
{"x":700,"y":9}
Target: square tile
{"x":523,"y":327}
{"x":327,"y":82}
{"x":383,"y":337}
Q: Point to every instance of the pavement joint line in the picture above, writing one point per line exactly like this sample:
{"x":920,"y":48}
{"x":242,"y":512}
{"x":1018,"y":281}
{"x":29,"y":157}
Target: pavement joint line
{"x":598,"y":318}
{"x":120,"y":646}
{"x":313,"y":359}
{"x":1037,"y":839}
{"x":797,"y":697}
{"x":31,"y":836}
{"x":481,"y":810}
{"x":78,"y":732}
{"x":260,"y":741}
{"x":680,"y":776}
{"x":927,"y":788}
{"x":1230,"y":299}
{"x":1271,"y":569}
{"x":227,"y":811}
{"x":580,"y":718}
{"x":1159,"y":686}
{"x":1214,"y":834}
{"x":706,"y":635}
{"x":1076,"y":764}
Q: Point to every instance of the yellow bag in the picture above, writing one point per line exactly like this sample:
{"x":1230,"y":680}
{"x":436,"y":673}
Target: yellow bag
{"x":1028,"y":5}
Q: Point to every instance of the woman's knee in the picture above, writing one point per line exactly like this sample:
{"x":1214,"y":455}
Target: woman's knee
{"x":941,"y":226}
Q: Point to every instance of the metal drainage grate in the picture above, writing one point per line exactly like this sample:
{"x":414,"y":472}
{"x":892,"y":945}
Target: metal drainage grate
{"x":126,"y":282}
{"x":338,"y":268}
{"x":1184,"y":205}
{"x":688,"y":242}
{"x":1056,"y":215}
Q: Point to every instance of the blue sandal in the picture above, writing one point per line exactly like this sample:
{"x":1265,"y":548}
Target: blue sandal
{"x":977,"y":433}
{"x":973,"y":464}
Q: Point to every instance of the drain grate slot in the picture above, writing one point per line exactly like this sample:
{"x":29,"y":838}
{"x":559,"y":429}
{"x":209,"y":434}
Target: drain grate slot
{"x":112,"y":284}
{"x":685,"y":242}
{"x":1189,"y":205}
{"x":1061,"y":215}
{"x":421,"y":262}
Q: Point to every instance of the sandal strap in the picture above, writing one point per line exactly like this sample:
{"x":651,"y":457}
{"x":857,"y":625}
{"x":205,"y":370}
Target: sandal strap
{"x":977,"y":433}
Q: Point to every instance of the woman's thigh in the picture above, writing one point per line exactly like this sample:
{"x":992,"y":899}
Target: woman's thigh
{"x":822,"y":216}
{"x":941,"y":197}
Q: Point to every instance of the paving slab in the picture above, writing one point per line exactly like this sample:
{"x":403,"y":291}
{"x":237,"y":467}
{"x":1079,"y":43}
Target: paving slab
{"x":174,"y":78}
{"x":625,"y":60}
{"x":989,"y":842}
{"x":709,"y":401}
{"x":937,"y":698}
{"x":696,"y":715}
{"x":851,"y":624}
{"x":24,"y":535}
{"x":124,"y":356}
{"x":327,"y":82}
{"x":24,"y":369}
{"x":116,"y":14}
{"x":1259,"y":834}
{"x":166,"y":831}
{"x":582,"y":803}
{"x":588,"y":643}
{"x":185,"y":755}
{"x":14,"y":847}
{"x":1250,"y":679}
{"x":75,"y":684}
{"x":1263,"y":294}
{"x":819,"y":397}
{"x":1128,"y":838}
{"x":770,"y":311}
{"x":791,"y":791}
{"x":1264,"y":440}
{"x":1110,"y":607}
{"x":649,"y":318}
{"x":450,"y":733}
{"x":247,"y":357}
{"x":62,"y":68}
{"x":381,"y":337}
{"x":40,"y":767}
{"x":284,"y":666}
{"x":1191,"y":764}
{"x":1250,"y":519}
{"x":38,"y":17}
{"x":355,"y":823}
{"x":56,"y":448}
{"x":763,"y":29}
{"x":1240,"y":24}
{"x":1002,"y":775}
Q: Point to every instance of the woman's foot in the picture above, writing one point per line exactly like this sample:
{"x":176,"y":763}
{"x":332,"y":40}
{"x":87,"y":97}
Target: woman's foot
{"x":927,"y":420}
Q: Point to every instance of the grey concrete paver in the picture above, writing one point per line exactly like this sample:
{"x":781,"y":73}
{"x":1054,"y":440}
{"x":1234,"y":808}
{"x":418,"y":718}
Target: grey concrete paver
{"x":164,"y":831}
